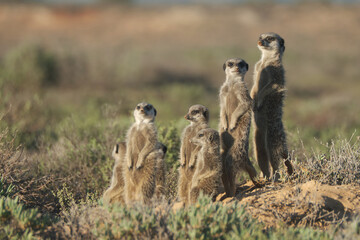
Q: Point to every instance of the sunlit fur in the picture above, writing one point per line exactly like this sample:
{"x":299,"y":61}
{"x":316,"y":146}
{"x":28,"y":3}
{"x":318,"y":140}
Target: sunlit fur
{"x":234,"y":127}
{"x":268,"y":94}
{"x":207,"y":176}
{"x":198,"y":116}
{"x":141,"y":156}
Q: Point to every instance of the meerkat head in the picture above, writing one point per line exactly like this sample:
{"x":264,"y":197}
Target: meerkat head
{"x":207,"y":136}
{"x":144,"y":112}
{"x":235,"y":67}
{"x":197,"y":113}
{"x":271,"y":42}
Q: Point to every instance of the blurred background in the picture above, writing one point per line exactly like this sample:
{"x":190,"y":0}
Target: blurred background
{"x":93,"y":59}
{"x":71,"y":73}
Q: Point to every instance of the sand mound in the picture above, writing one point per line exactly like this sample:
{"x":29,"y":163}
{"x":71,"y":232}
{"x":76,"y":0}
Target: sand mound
{"x":308,"y":204}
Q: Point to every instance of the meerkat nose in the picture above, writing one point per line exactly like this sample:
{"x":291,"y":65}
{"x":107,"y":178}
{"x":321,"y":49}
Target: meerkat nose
{"x":187,"y":117}
{"x":260,"y":43}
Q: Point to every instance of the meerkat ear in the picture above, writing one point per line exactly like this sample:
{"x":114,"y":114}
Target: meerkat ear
{"x":155,"y":112}
{"x":117,"y":148}
{"x":224,"y":66}
{"x":164,"y":148}
{"x":282,"y":45}
{"x":247,"y":67}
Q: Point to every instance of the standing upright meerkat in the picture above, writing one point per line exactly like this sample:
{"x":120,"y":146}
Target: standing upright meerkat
{"x":198,"y":115}
{"x":115,"y":193}
{"x":235,"y":120}
{"x":207,"y":176}
{"x":140,"y":161}
{"x":268,"y":94}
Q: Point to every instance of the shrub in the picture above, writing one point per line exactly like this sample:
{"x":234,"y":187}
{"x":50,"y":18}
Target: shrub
{"x":29,"y":66}
{"x":19,"y":222}
{"x":339,"y":165}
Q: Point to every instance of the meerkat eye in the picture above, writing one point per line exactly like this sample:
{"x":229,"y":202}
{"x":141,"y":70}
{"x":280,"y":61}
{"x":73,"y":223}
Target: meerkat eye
{"x":147,"y":108}
{"x":194,"y":112}
{"x":201,"y":134}
{"x":230,"y":64}
{"x":137,"y":107}
{"x":270,"y":39}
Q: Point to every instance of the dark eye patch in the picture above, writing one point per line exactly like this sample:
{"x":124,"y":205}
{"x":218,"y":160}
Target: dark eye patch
{"x":230,"y":64}
{"x":241,"y":64}
{"x":193,"y":112}
{"x":270,"y":39}
{"x":201,"y":135}
{"x":138,"y":107}
{"x":148,"y":107}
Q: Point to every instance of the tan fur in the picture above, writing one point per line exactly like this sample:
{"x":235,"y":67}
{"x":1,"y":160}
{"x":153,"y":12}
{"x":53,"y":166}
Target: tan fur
{"x":207,"y":176}
{"x":198,"y":115}
{"x":115,"y":193}
{"x":141,"y":156}
{"x":160,"y":171}
{"x":235,"y":119}
{"x":268,"y":93}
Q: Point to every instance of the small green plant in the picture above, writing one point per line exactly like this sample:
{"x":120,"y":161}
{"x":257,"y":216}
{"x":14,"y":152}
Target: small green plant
{"x":169,"y":136}
{"x":19,"y":222}
{"x":6,"y":190}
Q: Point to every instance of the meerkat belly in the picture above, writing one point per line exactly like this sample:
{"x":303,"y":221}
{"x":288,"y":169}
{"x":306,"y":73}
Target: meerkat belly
{"x":138,"y":145}
{"x":274,"y":109}
{"x":231,"y":104}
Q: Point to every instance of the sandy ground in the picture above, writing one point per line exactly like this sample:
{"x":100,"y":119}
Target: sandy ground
{"x":308,"y":204}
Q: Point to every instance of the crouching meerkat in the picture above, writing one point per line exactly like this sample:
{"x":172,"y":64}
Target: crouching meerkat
{"x":235,"y":120}
{"x":207,"y":176}
{"x":268,"y":94}
{"x":198,"y":116}
{"x":115,"y":193}
{"x":141,"y":156}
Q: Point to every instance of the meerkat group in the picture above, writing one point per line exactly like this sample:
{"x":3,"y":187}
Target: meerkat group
{"x":210,"y":158}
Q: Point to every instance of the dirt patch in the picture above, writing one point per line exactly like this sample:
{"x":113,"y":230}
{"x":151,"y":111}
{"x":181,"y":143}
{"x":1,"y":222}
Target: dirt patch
{"x":308,"y":204}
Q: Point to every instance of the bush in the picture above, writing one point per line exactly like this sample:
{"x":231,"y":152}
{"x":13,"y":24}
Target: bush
{"x":29,"y":67}
{"x":339,"y":165}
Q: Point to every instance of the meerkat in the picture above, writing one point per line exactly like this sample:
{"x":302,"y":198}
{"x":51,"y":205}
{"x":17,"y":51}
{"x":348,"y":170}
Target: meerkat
{"x":235,"y":120}
{"x":160,"y":171}
{"x":268,"y":93}
{"x":207,"y":176}
{"x":115,"y":193}
{"x":141,"y":156}
{"x":198,"y":116}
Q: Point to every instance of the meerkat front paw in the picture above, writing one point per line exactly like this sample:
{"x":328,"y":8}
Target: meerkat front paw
{"x":182,"y":163}
{"x":232,"y":127}
{"x":129,"y":166}
{"x":139,"y":164}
